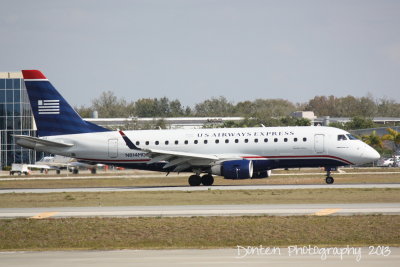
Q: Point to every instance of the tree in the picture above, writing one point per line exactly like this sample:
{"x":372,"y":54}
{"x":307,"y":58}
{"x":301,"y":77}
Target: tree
{"x":109,"y":106}
{"x":373,"y":140}
{"x":146,"y":107}
{"x":323,"y":106}
{"x":245,"y":109}
{"x":346,"y":107}
{"x":359,"y":123}
{"x":214,"y":107}
{"x":84,"y":112}
{"x":388,"y":108}
{"x":393,"y":136}
{"x":267,"y":108}
{"x":367,"y":107}
{"x":339,"y":125}
{"x":176,"y":108}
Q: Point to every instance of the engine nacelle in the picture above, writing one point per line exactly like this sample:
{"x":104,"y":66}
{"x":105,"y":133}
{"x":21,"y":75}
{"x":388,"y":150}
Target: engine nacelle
{"x":234,"y":169}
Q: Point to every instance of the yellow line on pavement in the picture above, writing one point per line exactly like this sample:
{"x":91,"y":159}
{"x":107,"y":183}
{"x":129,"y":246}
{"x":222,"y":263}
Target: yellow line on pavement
{"x":44,"y":215}
{"x":326,"y":212}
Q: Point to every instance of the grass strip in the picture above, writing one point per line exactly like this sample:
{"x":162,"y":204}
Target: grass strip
{"x":160,"y":198}
{"x":198,"y":232}
{"x":182,"y":181}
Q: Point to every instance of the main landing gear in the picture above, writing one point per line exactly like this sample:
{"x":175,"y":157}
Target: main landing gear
{"x":196,"y":180}
{"x":329,"y":179}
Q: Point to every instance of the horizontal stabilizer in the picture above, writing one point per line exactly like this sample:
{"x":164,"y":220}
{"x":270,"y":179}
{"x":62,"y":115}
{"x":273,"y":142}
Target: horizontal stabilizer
{"x":34,"y":142}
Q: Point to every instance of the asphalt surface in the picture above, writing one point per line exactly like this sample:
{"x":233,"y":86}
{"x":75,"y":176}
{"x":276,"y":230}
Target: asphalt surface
{"x":255,"y":256}
{"x":204,"y":210}
{"x":6,"y":177}
{"x":193,"y":188}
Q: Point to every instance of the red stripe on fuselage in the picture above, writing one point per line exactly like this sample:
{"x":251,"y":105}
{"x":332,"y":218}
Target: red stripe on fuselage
{"x":115,"y":160}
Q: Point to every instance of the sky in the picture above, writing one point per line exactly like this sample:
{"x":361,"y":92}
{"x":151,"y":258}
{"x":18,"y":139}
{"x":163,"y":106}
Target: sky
{"x":195,"y":50}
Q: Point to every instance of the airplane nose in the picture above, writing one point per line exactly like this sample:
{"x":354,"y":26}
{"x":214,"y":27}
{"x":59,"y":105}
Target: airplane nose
{"x":371,"y":154}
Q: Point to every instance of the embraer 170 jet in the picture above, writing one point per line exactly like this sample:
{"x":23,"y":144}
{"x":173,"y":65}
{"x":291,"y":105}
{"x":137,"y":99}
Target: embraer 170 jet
{"x":234,"y":153}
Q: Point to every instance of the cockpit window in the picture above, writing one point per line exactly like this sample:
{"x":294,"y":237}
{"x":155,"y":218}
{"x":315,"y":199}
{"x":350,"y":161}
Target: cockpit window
{"x":341,"y":137}
{"x":351,"y":137}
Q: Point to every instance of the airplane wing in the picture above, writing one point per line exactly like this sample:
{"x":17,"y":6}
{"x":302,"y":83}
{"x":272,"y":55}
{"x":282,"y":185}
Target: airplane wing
{"x":179,"y":160}
{"x":33,"y":142}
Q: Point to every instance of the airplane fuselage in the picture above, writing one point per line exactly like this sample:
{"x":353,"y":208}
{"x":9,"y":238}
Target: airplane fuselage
{"x":267,"y":147}
{"x":239,"y":153}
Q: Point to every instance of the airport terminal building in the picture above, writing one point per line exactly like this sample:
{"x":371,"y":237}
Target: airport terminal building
{"x":15,"y":118}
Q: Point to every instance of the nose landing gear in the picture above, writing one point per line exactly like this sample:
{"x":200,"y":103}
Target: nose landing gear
{"x":329,"y":179}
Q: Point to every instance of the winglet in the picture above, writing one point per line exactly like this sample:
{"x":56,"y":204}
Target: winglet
{"x":128,"y":141}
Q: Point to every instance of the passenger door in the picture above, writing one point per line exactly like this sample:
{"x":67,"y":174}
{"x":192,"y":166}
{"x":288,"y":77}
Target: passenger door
{"x":113,"y":148}
{"x":319,"y":143}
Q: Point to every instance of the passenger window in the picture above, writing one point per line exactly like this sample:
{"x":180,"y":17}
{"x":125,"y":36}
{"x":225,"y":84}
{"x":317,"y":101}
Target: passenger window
{"x":265,"y":140}
{"x":195,"y":141}
{"x":256,"y":140}
{"x":304,"y":139}
{"x":176,"y":142}
{"x":147,"y":143}
{"x":246,"y":140}
{"x":216,"y":141}
{"x":205,"y":141}
{"x":285,"y":140}
{"x":157,"y":143}
{"x":186,"y":142}
{"x":226,"y":141}
{"x":295,"y":139}
{"x":137,"y":143}
{"x":166,"y":142}
{"x":236,"y":141}
{"x":275,"y":140}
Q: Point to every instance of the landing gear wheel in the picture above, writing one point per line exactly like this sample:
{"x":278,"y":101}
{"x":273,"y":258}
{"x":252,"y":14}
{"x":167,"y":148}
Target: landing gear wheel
{"x":194,"y":180}
{"x":93,"y":171}
{"x":207,"y":180}
{"x":75,"y":171}
{"x":329,"y":180}
{"x":58,"y":171}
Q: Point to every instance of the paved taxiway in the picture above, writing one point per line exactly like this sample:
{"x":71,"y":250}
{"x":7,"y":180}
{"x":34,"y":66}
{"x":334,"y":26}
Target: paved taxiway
{"x":196,"y":257}
{"x":204,"y":210}
{"x":193,"y":188}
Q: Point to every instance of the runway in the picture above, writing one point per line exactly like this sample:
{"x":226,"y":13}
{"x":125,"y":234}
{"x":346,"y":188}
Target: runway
{"x":205,"y":210}
{"x":66,"y":175}
{"x":193,"y":188}
{"x":284,"y":256}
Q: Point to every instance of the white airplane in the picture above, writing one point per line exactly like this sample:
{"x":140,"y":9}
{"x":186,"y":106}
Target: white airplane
{"x":58,"y":162}
{"x":234,"y":153}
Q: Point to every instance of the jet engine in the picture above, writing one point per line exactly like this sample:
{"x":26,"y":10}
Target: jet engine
{"x":234,"y":169}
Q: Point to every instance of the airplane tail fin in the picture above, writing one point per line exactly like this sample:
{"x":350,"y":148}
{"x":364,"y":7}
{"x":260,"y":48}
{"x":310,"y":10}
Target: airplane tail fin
{"x":53,"y":115}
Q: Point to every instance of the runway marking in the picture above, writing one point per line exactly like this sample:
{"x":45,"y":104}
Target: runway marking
{"x":325,"y":212}
{"x":44,"y":215}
